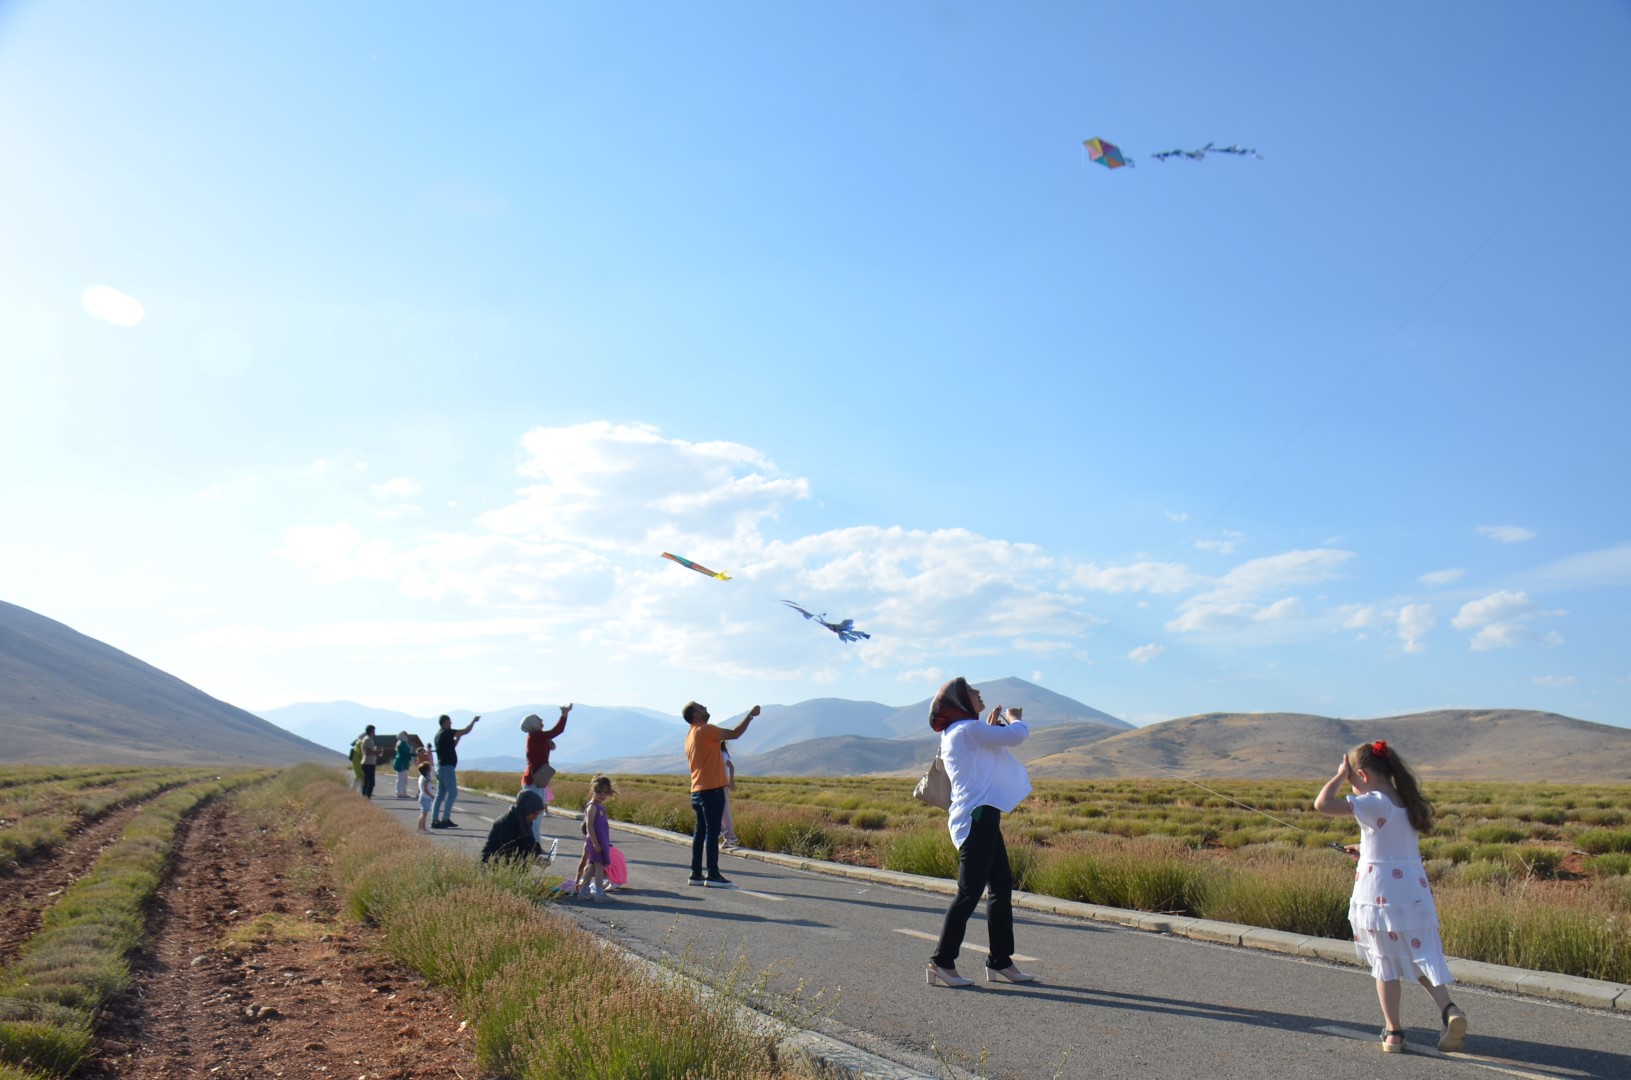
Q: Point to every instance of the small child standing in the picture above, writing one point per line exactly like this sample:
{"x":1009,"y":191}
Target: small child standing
{"x":597,"y":838}
{"x":1394,"y":919}
{"x":426,"y":794}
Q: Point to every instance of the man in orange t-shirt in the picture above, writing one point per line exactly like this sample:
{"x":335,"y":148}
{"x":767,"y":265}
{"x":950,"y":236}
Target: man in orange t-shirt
{"x":702,"y":749}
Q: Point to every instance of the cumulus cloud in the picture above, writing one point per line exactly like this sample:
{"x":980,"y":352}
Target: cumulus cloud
{"x":1145,"y":653}
{"x":1150,"y":577}
{"x":579,"y":543}
{"x":1553,"y":681}
{"x":1437,"y":578}
{"x":1603,"y":568}
{"x":1413,"y":623}
{"x":1504,"y":619}
{"x":1223,"y":545}
{"x":1240,"y":596}
{"x":112,"y":306}
{"x":1506,"y":534}
{"x":400,"y":487}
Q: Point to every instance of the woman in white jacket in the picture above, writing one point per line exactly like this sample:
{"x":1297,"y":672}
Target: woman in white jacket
{"x":986,"y":782}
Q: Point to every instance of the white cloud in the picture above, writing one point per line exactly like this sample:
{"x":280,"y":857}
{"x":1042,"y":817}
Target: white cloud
{"x":1413,"y":623}
{"x":580,"y":546}
{"x":1151,"y":577}
{"x":1503,"y":619}
{"x":1588,"y":570}
{"x":1173,"y":515}
{"x":1436,"y":578}
{"x":1145,"y":653}
{"x":1364,"y":617}
{"x":1223,"y":545}
{"x":1553,"y":681}
{"x":1236,"y":598}
{"x":399,"y":487}
{"x":112,"y":306}
{"x":1506,"y":534}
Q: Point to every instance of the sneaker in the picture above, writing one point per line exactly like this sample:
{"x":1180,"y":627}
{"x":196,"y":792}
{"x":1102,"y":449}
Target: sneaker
{"x":450,"y":824}
{"x":697,"y":880}
{"x":717,"y":882}
{"x":438,"y":824}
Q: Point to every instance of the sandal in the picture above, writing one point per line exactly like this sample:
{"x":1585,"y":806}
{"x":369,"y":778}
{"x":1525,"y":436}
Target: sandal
{"x":1455,"y":1030}
{"x":1390,"y":1047}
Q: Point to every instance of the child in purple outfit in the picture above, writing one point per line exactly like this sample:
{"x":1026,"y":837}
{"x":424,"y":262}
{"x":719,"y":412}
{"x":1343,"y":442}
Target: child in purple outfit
{"x":597,"y":838}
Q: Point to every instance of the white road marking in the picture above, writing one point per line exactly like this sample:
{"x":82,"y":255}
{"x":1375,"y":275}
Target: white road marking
{"x":1498,"y":1065}
{"x":760,"y":895}
{"x":1019,"y":958}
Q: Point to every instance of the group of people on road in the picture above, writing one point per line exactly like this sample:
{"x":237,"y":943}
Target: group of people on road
{"x":1392,"y":913}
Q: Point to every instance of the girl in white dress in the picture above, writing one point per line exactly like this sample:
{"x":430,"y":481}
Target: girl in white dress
{"x":1395,"y":922}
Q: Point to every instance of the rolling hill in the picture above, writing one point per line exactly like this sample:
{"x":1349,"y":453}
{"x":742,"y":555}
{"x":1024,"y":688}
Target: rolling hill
{"x":69,"y":699}
{"x":1458,"y":744}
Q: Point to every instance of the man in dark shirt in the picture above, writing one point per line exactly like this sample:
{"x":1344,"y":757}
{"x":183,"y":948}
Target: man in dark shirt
{"x":447,"y":758}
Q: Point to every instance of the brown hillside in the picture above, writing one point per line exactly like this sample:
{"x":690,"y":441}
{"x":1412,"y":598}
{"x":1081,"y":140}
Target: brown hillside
{"x":69,"y":699}
{"x":1457,"y":744}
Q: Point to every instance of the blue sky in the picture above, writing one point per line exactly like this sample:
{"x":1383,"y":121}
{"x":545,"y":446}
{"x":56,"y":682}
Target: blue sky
{"x":431,"y":327}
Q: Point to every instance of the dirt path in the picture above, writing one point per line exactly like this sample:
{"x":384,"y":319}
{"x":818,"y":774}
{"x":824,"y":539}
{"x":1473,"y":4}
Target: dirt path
{"x":307,"y":997}
{"x":29,"y":887}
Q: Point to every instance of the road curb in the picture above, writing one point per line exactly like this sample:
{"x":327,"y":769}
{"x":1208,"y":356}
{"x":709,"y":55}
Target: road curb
{"x":1592,"y":993}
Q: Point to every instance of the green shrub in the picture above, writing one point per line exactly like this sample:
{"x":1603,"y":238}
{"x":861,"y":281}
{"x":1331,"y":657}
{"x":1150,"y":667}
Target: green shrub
{"x":1456,"y":853}
{"x":869,"y":819}
{"x":1598,"y":841}
{"x":1289,"y":891}
{"x":1484,"y":871}
{"x":1534,"y":861}
{"x":1610,"y":864}
{"x":926,"y":851}
{"x":1495,"y":833}
{"x":1578,"y":933}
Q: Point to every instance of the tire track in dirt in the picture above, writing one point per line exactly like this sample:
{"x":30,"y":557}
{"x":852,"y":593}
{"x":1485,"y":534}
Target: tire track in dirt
{"x":316,"y":1001}
{"x":29,"y":887}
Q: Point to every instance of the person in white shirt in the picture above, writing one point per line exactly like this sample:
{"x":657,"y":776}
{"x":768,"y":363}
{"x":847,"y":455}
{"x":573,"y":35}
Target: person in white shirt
{"x":987,"y":781}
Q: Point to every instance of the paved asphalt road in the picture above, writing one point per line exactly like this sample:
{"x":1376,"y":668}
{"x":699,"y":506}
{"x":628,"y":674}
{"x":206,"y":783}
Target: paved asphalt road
{"x":1113,"y":1002}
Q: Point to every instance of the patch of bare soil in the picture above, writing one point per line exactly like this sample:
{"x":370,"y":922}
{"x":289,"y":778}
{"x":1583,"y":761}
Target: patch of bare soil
{"x":28,"y":887}
{"x":306,"y":997}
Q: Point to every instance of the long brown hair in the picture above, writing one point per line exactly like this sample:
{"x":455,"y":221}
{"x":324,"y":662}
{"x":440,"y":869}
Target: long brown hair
{"x":1380,"y":758}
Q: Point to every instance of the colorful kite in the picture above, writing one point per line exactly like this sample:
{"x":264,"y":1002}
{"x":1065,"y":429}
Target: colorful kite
{"x":1105,"y":153}
{"x":697,"y":567}
{"x":845,"y":630}
{"x":1110,"y":156}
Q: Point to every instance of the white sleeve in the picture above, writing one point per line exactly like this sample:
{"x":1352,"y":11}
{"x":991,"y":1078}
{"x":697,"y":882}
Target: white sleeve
{"x":984,"y":734}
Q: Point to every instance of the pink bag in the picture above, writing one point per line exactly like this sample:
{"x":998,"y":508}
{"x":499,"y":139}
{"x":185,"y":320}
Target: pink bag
{"x":617,"y":871}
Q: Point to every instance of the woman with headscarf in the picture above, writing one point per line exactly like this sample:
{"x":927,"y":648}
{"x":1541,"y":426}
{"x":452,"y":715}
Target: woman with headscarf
{"x":511,"y":835}
{"x":987,"y":781}
{"x":400,"y":762}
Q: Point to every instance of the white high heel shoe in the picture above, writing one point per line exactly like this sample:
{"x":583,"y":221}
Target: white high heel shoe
{"x":945,"y":976}
{"x":1011,"y":973}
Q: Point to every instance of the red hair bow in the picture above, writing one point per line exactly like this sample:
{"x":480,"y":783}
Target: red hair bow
{"x":1379,"y":748}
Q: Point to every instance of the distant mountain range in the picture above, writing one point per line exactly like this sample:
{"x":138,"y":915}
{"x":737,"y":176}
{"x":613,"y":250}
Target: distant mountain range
{"x":67,"y":698}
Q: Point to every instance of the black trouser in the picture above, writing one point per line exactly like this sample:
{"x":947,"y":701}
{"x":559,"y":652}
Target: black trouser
{"x":982,"y":863}
{"x":368,"y":781}
{"x":710,"y":808}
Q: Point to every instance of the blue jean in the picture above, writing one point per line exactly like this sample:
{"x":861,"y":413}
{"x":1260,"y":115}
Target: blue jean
{"x":447,"y":789}
{"x":710,"y":808}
